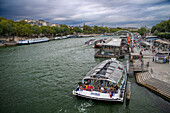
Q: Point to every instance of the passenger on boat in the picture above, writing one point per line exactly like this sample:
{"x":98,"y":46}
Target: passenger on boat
{"x":116,"y":89}
{"x":105,"y":90}
{"x":99,"y":88}
{"x":84,"y":86}
{"x":111,"y":87}
{"x":89,"y":88}
{"x":81,"y":87}
{"x":108,"y":90}
{"x":111,"y":93}
{"x":102,"y":89}
{"x":88,"y":82}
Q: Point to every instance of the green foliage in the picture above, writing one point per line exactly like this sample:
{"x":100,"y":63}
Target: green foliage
{"x":77,"y":30}
{"x":1,"y":18}
{"x":163,"y":26}
{"x":155,"y":32}
{"x":143,"y":30}
{"x":153,"y":29}
{"x":45,"y":30}
{"x":87,"y":29}
{"x":22,"y":28}
{"x":162,"y":29}
{"x":164,"y":35}
{"x":36,"y":30}
{"x":7,"y":27}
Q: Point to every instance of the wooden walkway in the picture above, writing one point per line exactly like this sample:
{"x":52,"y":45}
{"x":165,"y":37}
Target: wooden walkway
{"x":158,"y":86}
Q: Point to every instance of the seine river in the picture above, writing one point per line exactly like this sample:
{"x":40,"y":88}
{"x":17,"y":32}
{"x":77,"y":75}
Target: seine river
{"x":39,"y":78}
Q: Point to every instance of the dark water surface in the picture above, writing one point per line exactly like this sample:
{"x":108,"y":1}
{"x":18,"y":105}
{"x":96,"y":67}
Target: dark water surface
{"x":39,"y":78}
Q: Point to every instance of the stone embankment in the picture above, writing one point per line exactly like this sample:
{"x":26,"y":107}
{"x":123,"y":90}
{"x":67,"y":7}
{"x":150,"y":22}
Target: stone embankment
{"x":160,"y":87}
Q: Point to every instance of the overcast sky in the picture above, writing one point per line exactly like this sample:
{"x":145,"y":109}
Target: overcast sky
{"x":112,"y":13}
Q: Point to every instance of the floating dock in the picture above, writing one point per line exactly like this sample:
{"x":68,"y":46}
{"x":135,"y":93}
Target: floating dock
{"x":112,"y":49}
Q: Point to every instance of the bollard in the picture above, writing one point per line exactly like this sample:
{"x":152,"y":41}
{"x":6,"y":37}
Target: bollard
{"x":128,"y":90}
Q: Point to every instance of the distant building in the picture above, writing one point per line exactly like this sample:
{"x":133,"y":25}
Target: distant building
{"x":55,"y":25}
{"x":131,"y":28}
{"x":38,"y":22}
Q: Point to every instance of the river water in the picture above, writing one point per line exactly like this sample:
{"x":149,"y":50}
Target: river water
{"x":39,"y":78}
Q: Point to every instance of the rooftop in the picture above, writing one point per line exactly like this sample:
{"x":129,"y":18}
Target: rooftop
{"x":107,"y":70}
{"x":114,"y":42}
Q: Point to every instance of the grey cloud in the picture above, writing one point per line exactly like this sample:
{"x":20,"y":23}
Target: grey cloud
{"x":134,"y":13}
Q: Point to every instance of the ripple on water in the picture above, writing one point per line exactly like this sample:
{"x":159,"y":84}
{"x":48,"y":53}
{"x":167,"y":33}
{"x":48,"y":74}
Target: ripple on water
{"x":83,"y":106}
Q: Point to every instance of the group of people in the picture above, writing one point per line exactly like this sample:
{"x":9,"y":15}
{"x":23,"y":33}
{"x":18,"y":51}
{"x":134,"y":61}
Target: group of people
{"x":107,"y":89}
{"x":100,"y":88}
{"x":86,"y":87}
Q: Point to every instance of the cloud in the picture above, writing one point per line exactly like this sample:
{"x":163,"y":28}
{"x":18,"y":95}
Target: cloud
{"x":113,"y":13}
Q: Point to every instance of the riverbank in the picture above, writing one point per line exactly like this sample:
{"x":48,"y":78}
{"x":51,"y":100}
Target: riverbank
{"x":12,"y":41}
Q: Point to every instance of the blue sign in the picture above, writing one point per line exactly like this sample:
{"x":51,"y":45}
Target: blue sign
{"x":97,"y":94}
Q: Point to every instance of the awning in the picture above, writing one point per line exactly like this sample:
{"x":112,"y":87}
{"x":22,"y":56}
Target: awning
{"x":163,"y":42}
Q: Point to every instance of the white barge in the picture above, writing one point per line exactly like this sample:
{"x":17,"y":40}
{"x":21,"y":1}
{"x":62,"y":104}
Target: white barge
{"x":106,"y":82}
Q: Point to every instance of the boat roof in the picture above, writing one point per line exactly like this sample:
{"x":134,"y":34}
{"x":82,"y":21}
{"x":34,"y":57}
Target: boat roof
{"x":114,"y":42}
{"x":147,"y":43}
{"x":110,"y":70}
{"x":151,"y":37}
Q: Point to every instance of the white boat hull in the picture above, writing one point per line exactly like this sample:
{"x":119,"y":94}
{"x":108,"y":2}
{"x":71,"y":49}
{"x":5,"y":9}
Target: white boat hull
{"x":99,"y":96}
{"x":95,"y":95}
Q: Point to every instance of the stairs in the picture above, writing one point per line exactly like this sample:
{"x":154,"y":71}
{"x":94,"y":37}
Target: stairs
{"x":157,"y":85}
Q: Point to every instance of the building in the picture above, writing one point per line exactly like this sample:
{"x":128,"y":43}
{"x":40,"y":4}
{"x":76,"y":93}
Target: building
{"x":38,"y":22}
{"x":131,"y":28}
{"x":55,"y":25}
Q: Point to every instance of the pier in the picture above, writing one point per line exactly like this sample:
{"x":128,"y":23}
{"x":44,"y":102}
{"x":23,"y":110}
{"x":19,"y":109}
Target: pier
{"x":152,"y":75}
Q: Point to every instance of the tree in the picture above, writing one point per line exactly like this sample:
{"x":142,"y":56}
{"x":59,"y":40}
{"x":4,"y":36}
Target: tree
{"x":155,"y":32}
{"x":64,"y":29}
{"x":163,"y":26}
{"x":77,"y":30}
{"x":7,"y":28}
{"x":1,"y":30}
{"x":36,"y":30}
{"x":45,"y":30}
{"x":25,"y":30}
{"x":153,"y":29}
{"x":87,"y":29}
{"x":143,"y":30}
{"x":57,"y":30}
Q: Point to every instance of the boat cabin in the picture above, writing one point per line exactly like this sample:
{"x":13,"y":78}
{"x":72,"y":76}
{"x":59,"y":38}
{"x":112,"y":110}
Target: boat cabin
{"x":109,"y":75}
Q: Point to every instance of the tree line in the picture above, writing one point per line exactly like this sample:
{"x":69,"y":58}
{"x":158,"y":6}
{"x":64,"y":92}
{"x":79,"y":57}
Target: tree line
{"x":162,"y":29}
{"x":23,"y":29}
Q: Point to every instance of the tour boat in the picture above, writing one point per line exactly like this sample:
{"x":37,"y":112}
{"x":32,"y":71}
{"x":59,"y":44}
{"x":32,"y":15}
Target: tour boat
{"x":39,"y":40}
{"x":57,"y":38}
{"x":90,"y":42}
{"x":32,"y":41}
{"x":60,"y":38}
{"x":99,"y":43}
{"x":23,"y":42}
{"x":106,"y":82}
